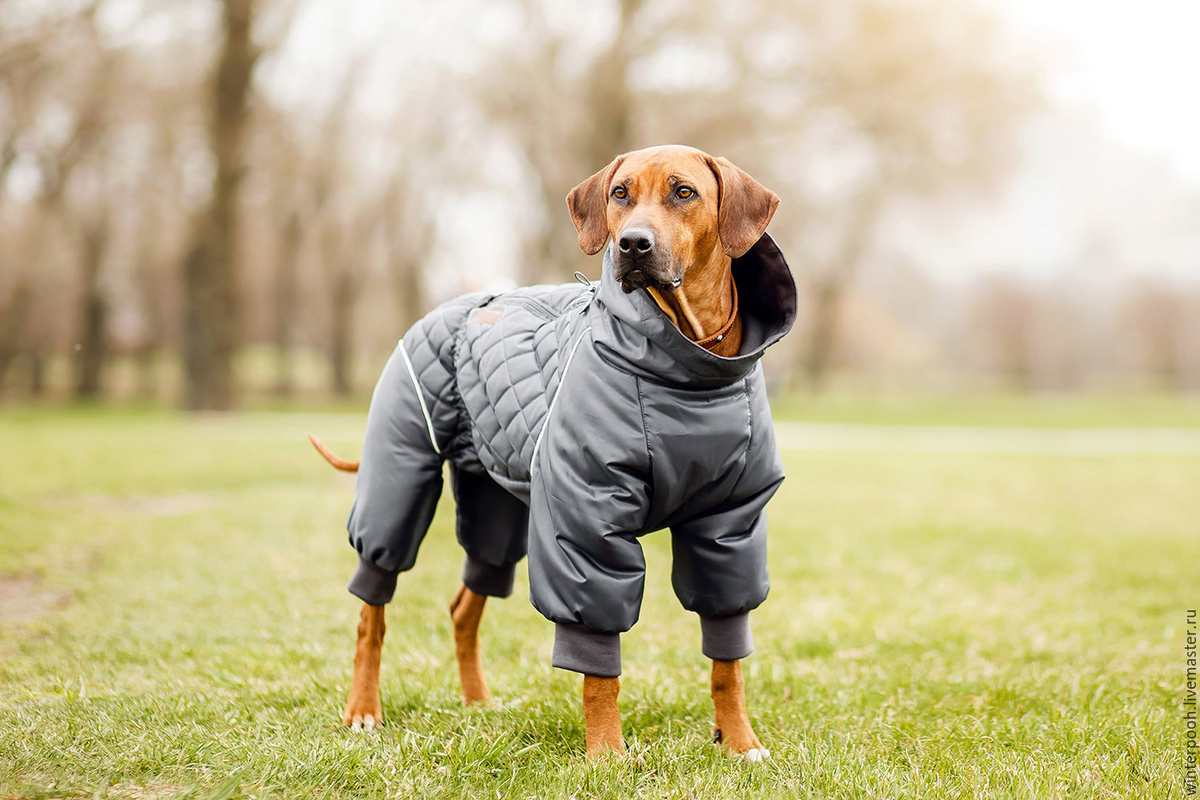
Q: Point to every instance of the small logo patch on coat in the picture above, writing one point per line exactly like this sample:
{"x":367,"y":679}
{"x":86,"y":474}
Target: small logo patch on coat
{"x":487,"y":316}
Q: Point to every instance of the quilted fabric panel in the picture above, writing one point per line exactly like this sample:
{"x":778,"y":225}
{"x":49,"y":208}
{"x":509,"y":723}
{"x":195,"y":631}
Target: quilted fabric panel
{"x":507,"y":364}
{"x":430,"y":345}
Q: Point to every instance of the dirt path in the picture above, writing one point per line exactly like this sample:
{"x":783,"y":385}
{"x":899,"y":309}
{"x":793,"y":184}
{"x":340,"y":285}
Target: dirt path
{"x":24,"y":599}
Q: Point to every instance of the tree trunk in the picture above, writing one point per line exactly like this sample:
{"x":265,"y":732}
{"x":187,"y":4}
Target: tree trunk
{"x":211,"y":325}
{"x":827,"y":297}
{"x":286,"y":293}
{"x":94,"y":350}
{"x":829,"y":288}
{"x":12,"y":326}
{"x":30,"y":339}
{"x":93,"y":317}
{"x":149,"y":290}
{"x":37,"y":367}
{"x":345,"y":291}
{"x":410,"y":289}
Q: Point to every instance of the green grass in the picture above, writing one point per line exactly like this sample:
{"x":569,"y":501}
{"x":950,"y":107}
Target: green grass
{"x":939,"y":626}
{"x":992,"y":409}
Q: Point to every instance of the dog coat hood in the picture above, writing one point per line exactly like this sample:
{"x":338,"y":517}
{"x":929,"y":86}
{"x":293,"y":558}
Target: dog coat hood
{"x":514,"y":347}
{"x":591,"y":408}
{"x":635,"y":335}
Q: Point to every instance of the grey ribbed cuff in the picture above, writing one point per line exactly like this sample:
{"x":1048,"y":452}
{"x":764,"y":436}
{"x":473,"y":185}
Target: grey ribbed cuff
{"x":580,"y":649}
{"x":726,"y":638}
{"x":487,"y":579}
{"x":371,"y":584}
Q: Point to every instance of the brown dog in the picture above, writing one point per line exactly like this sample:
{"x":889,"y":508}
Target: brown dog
{"x":675,"y":215}
{"x":364,"y":709}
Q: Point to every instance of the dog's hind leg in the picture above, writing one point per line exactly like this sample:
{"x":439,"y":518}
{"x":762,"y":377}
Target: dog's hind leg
{"x":466,"y":610}
{"x":363,"y":708}
{"x":491,"y":525}
{"x":732,"y":726}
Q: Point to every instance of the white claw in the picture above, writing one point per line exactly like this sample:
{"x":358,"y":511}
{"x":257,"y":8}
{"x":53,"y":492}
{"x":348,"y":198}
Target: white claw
{"x":357,"y":724}
{"x":756,"y":755}
{"x":369,"y":722}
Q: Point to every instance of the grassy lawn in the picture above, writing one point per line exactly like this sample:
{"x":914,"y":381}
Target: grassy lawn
{"x":1050,"y":410}
{"x":173,"y":621}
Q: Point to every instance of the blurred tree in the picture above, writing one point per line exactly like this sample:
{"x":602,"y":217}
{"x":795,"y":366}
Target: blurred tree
{"x":88,"y":213}
{"x":94,"y":233}
{"x":211,"y":318}
{"x":302,"y":181}
{"x":293,"y":205}
{"x":345,"y":240}
{"x":160,"y":227}
{"x":408,"y":239}
{"x":61,"y":118}
{"x":14,"y":317}
{"x":1156,"y":318}
{"x":842,"y":109}
{"x":425,"y":163}
{"x":141,"y":159}
{"x":566,"y":127}
{"x":912,"y":100}
{"x":23,"y":69}
{"x":357,"y":210}
{"x":1005,"y":313}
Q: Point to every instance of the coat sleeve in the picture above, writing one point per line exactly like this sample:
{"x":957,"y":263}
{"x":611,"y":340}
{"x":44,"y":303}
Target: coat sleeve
{"x":588,"y":500}
{"x":720,"y":561}
{"x":720,"y":558}
{"x":398,"y":485}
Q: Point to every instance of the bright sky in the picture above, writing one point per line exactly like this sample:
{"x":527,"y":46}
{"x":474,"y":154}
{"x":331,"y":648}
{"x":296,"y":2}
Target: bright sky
{"x":1136,"y":61}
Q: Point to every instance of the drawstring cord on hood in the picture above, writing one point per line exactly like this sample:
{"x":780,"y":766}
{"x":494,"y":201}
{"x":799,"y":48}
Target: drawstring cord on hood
{"x":591,"y":287}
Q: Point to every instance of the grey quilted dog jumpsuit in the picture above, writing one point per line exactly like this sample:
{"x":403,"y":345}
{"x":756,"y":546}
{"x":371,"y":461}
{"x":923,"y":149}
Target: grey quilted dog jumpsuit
{"x":577,"y":419}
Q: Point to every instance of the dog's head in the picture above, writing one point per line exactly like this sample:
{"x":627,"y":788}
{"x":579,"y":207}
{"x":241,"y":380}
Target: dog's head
{"x":666,"y":209}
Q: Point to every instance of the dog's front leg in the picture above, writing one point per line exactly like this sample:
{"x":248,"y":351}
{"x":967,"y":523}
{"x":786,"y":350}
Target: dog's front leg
{"x":732,"y":727}
{"x":363,"y":708}
{"x":602,"y":717}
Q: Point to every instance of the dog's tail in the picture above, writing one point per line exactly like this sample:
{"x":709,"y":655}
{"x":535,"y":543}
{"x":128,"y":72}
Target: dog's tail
{"x":338,"y":463}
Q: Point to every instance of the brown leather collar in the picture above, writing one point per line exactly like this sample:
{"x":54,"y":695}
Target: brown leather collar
{"x":709,"y":342}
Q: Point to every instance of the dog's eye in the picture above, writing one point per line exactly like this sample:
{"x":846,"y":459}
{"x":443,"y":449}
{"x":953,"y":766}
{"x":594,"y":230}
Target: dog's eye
{"x":684,"y":192}
{"x":619,"y":193}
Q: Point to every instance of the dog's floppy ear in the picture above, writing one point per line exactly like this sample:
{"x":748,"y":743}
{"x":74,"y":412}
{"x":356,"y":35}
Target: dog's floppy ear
{"x":744,"y":207}
{"x":588,"y":203}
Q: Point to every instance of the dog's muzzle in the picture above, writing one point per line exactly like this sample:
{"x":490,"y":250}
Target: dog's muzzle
{"x":641,"y":264}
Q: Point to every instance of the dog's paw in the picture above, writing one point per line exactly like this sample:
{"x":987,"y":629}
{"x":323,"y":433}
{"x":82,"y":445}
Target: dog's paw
{"x":363,"y":710}
{"x":745,"y":746}
{"x":488,"y":703}
{"x":364,"y":722}
{"x":756,"y":755}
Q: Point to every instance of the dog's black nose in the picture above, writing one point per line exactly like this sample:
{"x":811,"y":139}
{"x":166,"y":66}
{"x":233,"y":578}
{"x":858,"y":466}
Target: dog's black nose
{"x":636,"y":241}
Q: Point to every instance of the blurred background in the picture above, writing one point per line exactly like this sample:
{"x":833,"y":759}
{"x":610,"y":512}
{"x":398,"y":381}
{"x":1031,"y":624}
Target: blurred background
{"x":213,"y":203}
